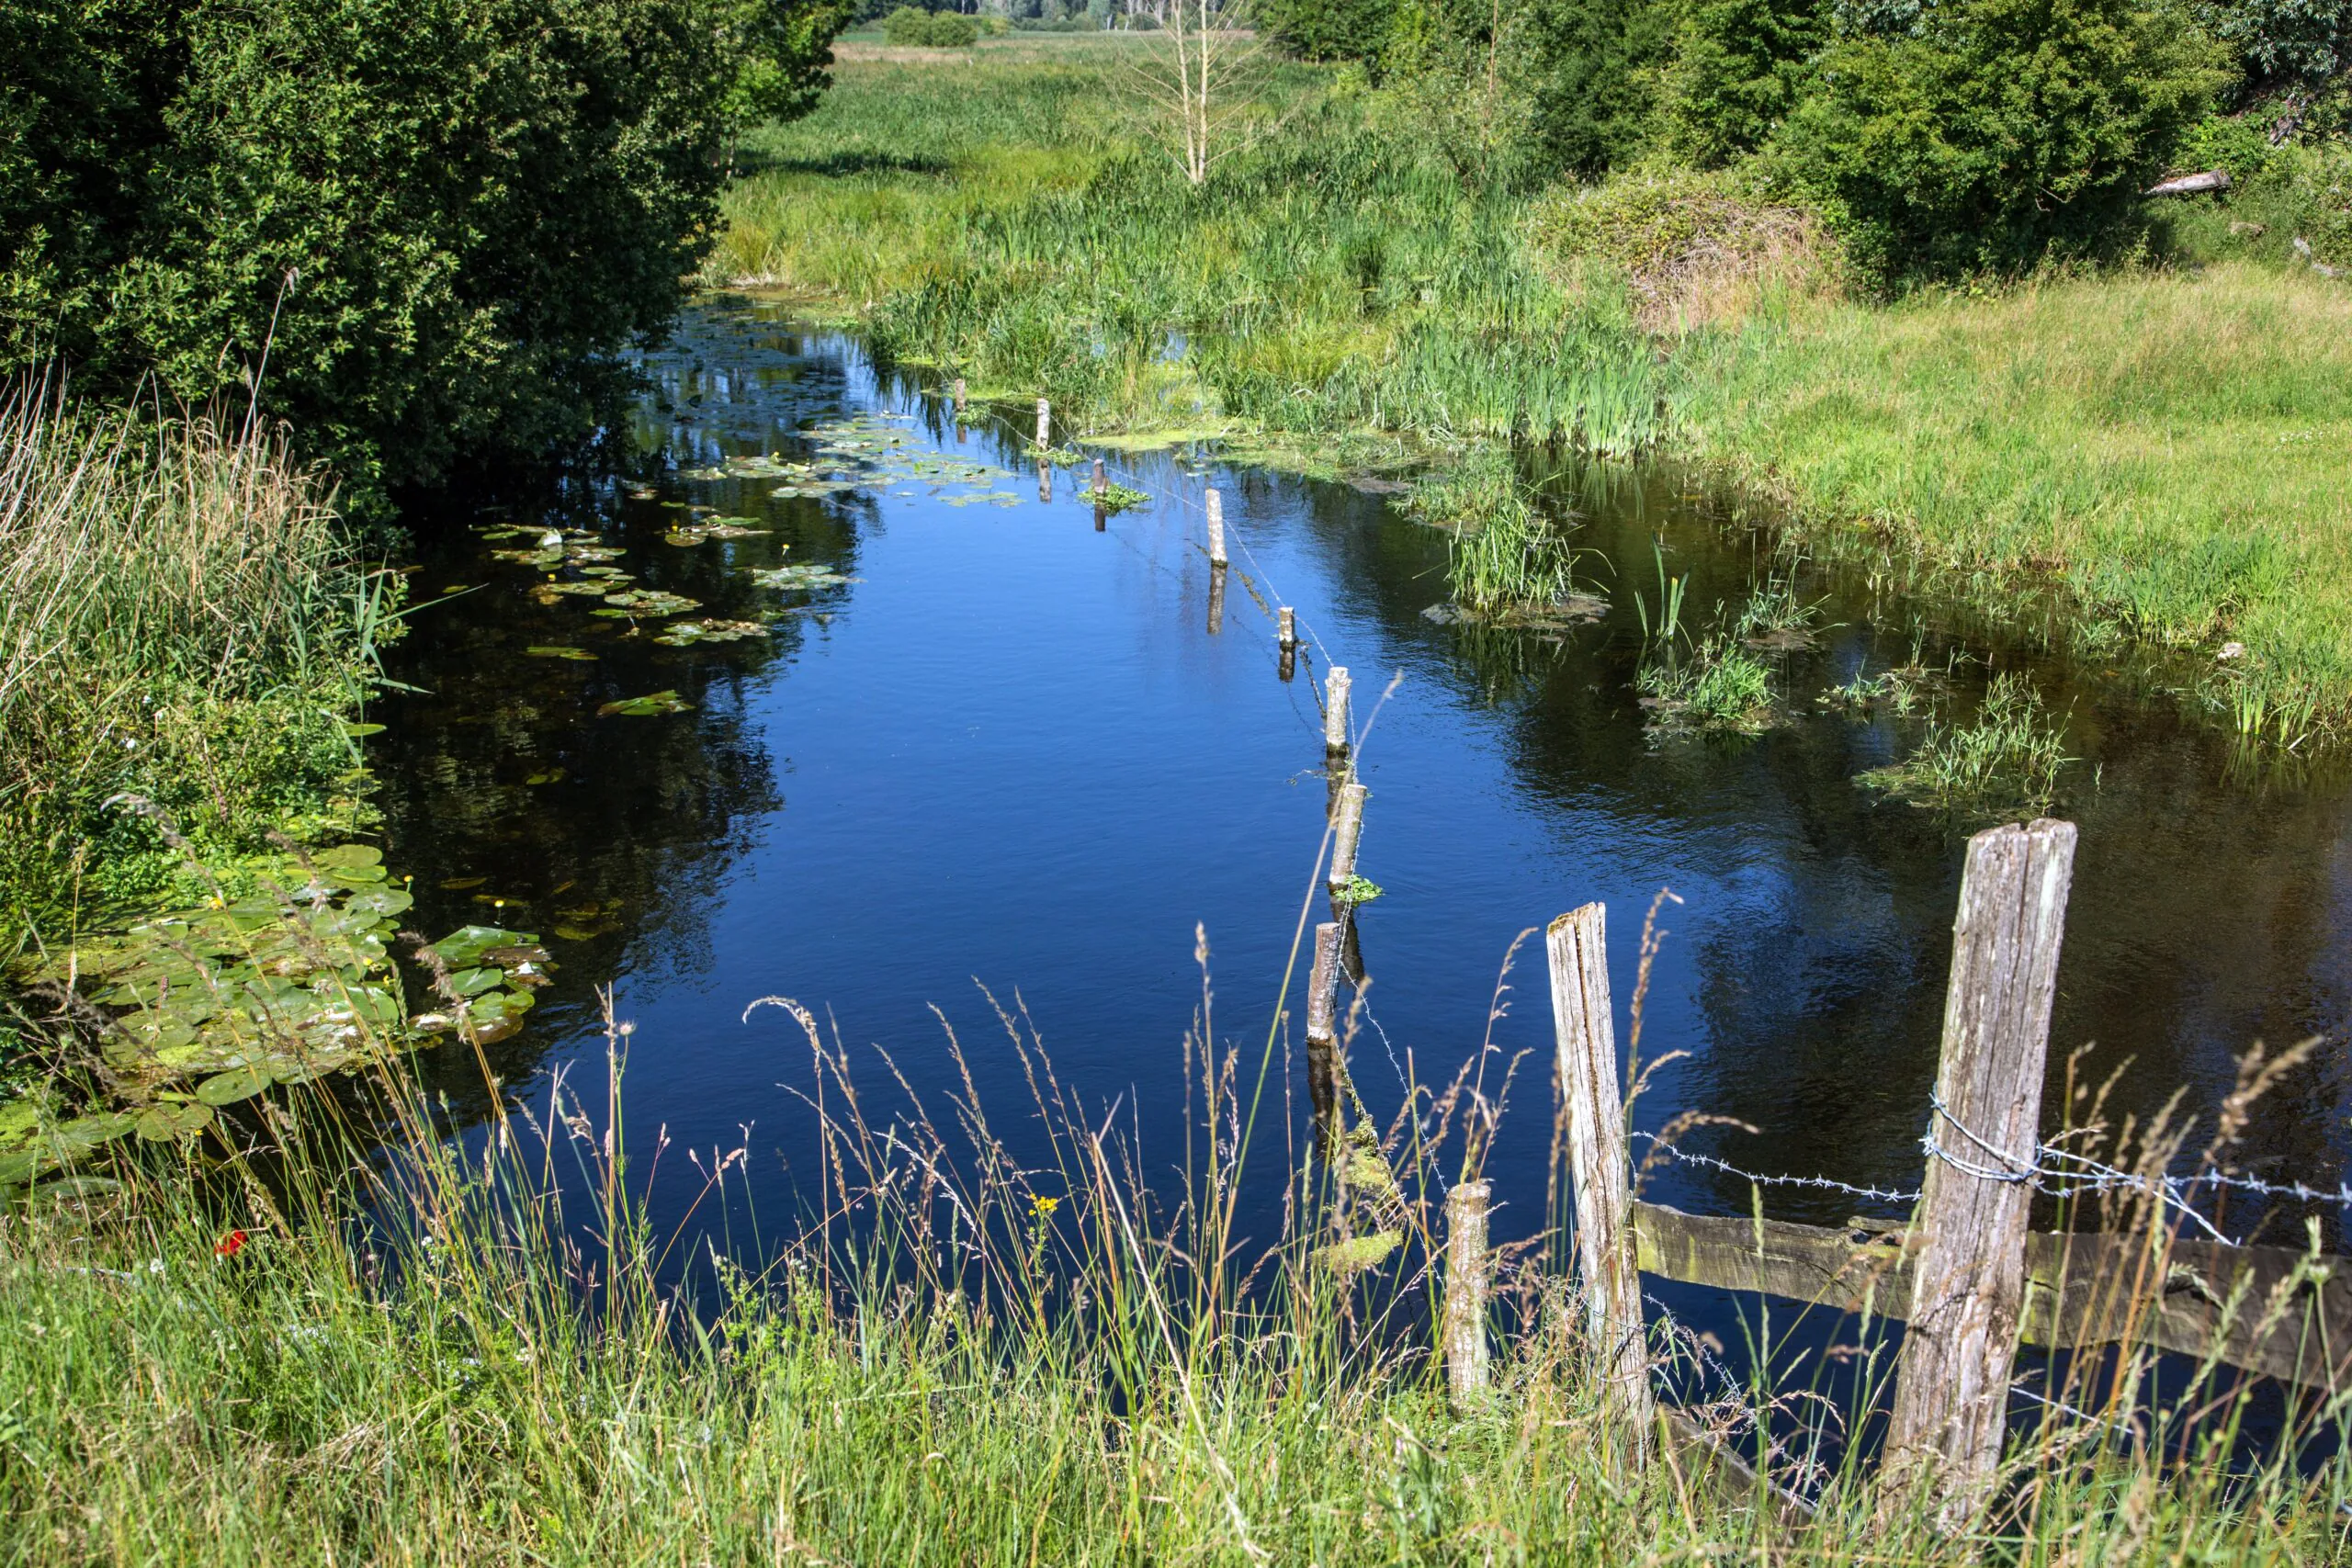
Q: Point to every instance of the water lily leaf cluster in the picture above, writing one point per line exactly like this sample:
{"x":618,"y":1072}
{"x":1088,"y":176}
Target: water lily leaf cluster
{"x":686,"y":634}
{"x":203,"y":1007}
{"x":647,"y":705}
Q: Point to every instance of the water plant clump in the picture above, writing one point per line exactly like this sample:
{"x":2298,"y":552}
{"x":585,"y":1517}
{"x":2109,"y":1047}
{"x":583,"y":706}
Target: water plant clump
{"x":2009,"y":756}
{"x":1718,"y":687}
{"x":1775,"y":620}
{"x":1502,"y":553}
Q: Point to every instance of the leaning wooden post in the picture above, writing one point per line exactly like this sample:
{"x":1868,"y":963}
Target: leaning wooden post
{"x":1465,"y":1290}
{"x":1347,"y":828}
{"x":1287,"y":639}
{"x":1600,"y":1164}
{"x":1216,"y":529}
{"x":1323,"y":1035}
{"x":1951,"y":1393}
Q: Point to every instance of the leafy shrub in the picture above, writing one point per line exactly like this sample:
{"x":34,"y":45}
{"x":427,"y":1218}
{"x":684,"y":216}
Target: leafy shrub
{"x":435,"y":221}
{"x":1996,"y":130}
{"x":908,"y":27}
{"x":1695,"y":247}
{"x":2304,"y":44}
{"x":1327,"y":30}
{"x":1739,"y":67}
{"x":1595,"y":66}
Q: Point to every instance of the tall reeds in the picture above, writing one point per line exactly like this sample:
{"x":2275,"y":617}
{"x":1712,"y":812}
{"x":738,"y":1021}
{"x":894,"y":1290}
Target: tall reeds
{"x":180,"y":614}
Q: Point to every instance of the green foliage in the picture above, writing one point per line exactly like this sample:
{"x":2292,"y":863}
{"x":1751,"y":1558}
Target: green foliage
{"x":1739,"y":67}
{"x":1996,"y":132}
{"x":1327,"y":30}
{"x":182,"y":620}
{"x":2007,"y":758}
{"x":432,"y":220}
{"x":1502,"y":552}
{"x":2296,"y":44}
{"x":908,"y":27}
{"x":1596,"y":65}
{"x":782,"y":49}
{"x":1718,"y":687}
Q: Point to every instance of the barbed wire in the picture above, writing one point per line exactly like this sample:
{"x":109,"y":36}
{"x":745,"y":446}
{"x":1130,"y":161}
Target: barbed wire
{"x":1659,"y":1146}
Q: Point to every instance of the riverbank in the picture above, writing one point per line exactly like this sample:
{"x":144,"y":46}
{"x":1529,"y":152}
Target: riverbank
{"x":2151,"y":449}
{"x":242,"y":1370}
{"x":187,"y":634}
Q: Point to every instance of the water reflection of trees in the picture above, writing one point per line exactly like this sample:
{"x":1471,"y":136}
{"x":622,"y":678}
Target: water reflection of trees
{"x":507,"y":797}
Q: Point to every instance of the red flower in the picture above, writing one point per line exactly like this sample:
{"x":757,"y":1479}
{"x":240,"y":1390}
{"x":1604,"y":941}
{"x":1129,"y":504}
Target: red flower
{"x":231,"y":1244}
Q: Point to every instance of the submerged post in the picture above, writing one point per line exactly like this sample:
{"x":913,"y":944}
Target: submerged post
{"x":1045,"y":480}
{"x":1216,"y":598}
{"x":1465,"y":1290}
{"x":1600,"y":1164}
{"x":1216,"y":530}
{"x":1287,"y":639}
{"x":1952,"y":1390}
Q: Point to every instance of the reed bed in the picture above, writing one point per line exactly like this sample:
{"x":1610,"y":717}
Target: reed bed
{"x":181,"y":616}
{"x":1020,"y":227}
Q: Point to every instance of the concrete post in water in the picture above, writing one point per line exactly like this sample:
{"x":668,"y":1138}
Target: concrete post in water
{"x":1323,"y":1067}
{"x":1952,"y":1390}
{"x":1465,"y":1290}
{"x":1600,"y":1165}
{"x":1288,"y":639}
{"x":1216,"y":529}
{"x":1045,"y":423}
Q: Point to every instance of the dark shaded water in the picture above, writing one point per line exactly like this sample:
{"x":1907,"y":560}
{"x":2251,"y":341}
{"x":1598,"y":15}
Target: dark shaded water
{"x":1013,"y":753}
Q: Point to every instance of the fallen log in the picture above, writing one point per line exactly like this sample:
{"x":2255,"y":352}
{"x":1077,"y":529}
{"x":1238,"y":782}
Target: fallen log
{"x":2191,"y":185}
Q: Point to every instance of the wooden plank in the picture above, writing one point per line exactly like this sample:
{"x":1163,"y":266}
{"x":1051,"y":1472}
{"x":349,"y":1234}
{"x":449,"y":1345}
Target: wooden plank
{"x":1600,"y":1163}
{"x":2267,"y":1309}
{"x":1951,"y":1393}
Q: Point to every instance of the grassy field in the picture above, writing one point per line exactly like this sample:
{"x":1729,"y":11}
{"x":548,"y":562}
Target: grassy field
{"x":2162,"y":443}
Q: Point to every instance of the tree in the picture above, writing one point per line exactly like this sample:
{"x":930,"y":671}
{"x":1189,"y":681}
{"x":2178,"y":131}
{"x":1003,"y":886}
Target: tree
{"x":434,"y":220}
{"x":1739,"y":67}
{"x":1998,"y":131}
{"x":1596,"y":66}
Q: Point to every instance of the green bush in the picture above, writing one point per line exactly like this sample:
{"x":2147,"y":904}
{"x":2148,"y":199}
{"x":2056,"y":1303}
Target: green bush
{"x":435,"y":221}
{"x":908,"y":27}
{"x":1993,"y":132}
{"x":1739,"y":67}
{"x":1595,"y":67}
{"x":1327,"y":30}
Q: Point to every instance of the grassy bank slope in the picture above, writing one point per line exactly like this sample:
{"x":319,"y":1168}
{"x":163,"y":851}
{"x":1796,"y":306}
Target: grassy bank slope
{"x":2168,"y":447}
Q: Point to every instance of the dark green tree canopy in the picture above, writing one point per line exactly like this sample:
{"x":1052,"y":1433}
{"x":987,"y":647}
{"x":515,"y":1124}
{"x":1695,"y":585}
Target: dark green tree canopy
{"x":433,"y":218}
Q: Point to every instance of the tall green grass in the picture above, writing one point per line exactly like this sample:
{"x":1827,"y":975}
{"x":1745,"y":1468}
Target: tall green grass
{"x":181,"y":618}
{"x":388,"y":1341}
{"x":2162,"y":452}
{"x":1022,"y":227}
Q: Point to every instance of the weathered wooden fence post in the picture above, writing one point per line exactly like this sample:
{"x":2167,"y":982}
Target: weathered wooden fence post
{"x":1101,"y":480}
{"x":1347,"y":830}
{"x":1287,"y":639}
{"x":1323,"y":1066}
{"x":1600,"y":1164}
{"x":1465,"y":1290}
{"x":1044,"y":424}
{"x":1951,"y":1394}
{"x":1216,"y":530}
{"x":1216,"y":599}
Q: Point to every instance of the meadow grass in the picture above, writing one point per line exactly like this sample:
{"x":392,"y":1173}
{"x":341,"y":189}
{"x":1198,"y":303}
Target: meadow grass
{"x":181,"y":618}
{"x":1023,"y":226}
{"x":2166,"y":450}
{"x":365,"y":1335}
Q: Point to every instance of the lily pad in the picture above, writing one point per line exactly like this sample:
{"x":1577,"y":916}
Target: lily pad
{"x":464,"y":948}
{"x":798,"y":579}
{"x":683,"y":634}
{"x":559,"y":651}
{"x":650,"y":704}
{"x":227,"y":1089}
{"x":651,"y":602}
